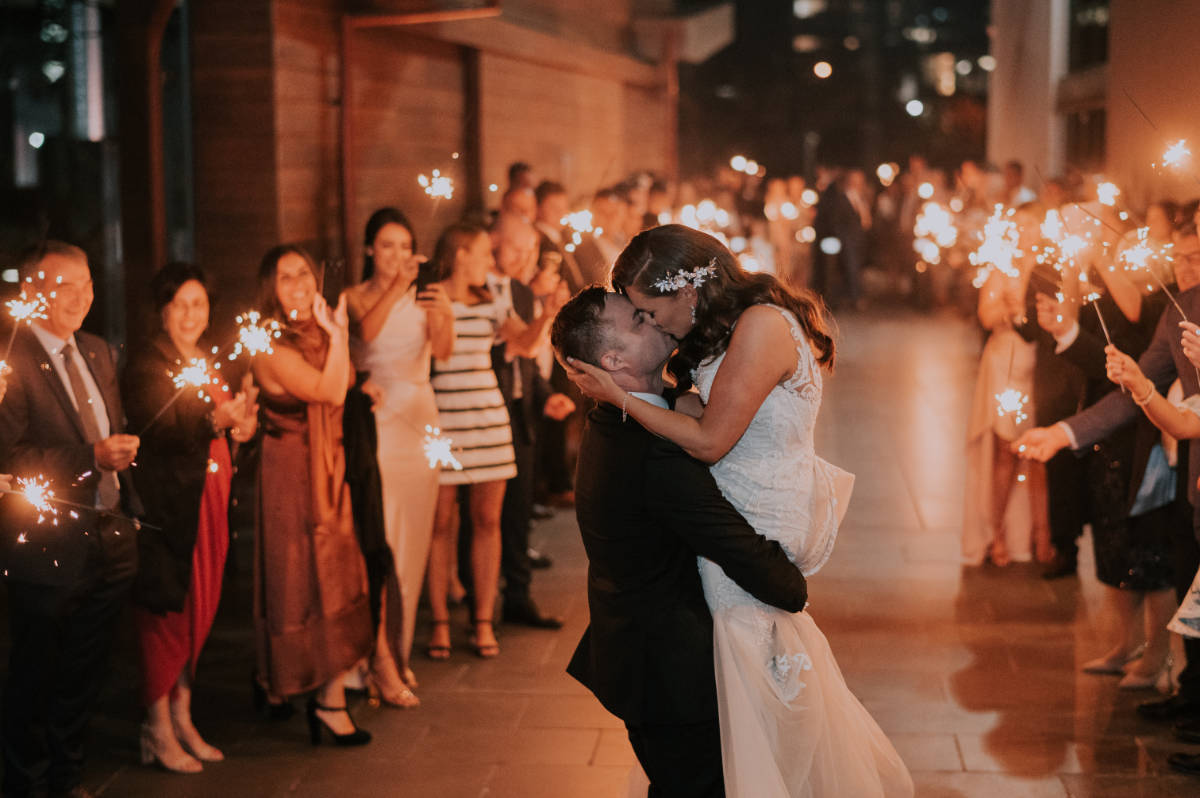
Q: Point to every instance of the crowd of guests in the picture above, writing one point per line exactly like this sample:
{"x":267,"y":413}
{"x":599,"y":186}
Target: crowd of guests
{"x":1085,"y":399}
{"x":353,"y":523}
{"x":354,"y":527}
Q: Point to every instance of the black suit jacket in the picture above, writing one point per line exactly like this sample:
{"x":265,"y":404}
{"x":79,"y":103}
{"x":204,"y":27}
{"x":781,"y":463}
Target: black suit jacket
{"x":172,"y":470}
{"x":535,"y":390}
{"x":569,"y":269}
{"x":646,"y":510}
{"x":41,"y":434}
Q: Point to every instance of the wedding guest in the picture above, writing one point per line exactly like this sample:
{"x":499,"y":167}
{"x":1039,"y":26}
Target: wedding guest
{"x":1162,"y":363}
{"x":183,"y":478}
{"x":311,"y":612}
{"x":520,"y":201}
{"x":399,"y":325}
{"x":1135,"y":502}
{"x":520,"y":175}
{"x":993,"y":471}
{"x":529,"y":399}
{"x":552,"y":208}
{"x":473,"y":414}
{"x":62,"y":419}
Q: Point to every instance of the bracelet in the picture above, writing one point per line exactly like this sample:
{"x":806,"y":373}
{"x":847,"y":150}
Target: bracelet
{"x":1145,"y":400}
{"x":624,"y":407}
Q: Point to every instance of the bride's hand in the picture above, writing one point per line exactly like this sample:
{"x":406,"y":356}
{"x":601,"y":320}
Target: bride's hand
{"x":594,"y":381}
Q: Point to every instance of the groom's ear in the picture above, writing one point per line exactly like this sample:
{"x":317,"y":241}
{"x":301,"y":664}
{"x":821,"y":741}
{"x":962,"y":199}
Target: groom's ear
{"x":611,"y":361}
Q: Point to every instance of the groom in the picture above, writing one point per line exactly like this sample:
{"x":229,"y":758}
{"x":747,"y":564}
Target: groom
{"x":646,"y":510}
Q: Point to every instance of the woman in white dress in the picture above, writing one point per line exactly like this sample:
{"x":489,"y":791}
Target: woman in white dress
{"x":790,"y":727}
{"x":398,"y":326}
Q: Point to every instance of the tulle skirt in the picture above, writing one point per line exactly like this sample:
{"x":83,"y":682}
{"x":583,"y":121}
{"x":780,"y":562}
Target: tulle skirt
{"x":790,"y":727}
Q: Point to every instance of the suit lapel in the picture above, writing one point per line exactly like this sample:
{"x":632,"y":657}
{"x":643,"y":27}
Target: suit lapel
{"x":50,"y":375}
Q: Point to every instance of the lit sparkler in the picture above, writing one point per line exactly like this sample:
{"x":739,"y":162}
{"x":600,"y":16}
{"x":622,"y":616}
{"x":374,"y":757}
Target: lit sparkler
{"x":22,"y":309}
{"x":999,"y":248}
{"x":194,"y":374}
{"x":1011,"y":401}
{"x":1107,"y":193}
{"x":40,"y":496}
{"x":439,"y":450}
{"x":254,"y":336}
{"x":36,"y":491}
{"x":1176,"y":155}
{"x":438,"y":186}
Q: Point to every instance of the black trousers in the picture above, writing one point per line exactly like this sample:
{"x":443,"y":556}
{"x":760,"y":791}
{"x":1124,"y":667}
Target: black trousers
{"x":682,"y":761}
{"x":517,"y":513}
{"x":1066,"y":485}
{"x":61,"y":641}
{"x":1185,"y":557}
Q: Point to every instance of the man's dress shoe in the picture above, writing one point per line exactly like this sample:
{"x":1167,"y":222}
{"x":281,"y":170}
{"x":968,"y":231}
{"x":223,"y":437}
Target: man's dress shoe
{"x":526,"y":613}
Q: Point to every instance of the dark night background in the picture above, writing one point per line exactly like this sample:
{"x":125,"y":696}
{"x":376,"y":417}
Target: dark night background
{"x":759,"y":95}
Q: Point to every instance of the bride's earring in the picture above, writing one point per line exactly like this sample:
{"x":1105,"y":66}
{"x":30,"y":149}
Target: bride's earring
{"x":693,"y":314}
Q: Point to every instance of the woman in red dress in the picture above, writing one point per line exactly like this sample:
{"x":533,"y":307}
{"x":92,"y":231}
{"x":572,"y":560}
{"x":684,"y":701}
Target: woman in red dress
{"x":183,"y":475}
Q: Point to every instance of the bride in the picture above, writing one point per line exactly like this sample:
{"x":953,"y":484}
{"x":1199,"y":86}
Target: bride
{"x":790,"y":727}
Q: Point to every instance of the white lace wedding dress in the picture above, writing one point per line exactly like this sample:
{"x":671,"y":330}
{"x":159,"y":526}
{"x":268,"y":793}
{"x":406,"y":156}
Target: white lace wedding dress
{"x":790,"y":727}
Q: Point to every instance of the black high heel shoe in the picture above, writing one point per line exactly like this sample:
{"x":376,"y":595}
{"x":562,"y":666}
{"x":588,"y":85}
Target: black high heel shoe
{"x":315,"y":724}
{"x":264,"y":706}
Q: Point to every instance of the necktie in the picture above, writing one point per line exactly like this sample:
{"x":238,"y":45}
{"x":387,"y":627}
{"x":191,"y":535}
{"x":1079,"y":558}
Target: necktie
{"x":108,"y":489}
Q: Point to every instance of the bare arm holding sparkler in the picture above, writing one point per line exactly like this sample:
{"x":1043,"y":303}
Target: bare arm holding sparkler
{"x":284,"y":370}
{"x":1171,"y":419}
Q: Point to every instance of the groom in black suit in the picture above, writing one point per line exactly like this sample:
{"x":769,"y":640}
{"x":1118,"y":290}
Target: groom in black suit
{"x":646,"y":510}
{"x":62,"y":419}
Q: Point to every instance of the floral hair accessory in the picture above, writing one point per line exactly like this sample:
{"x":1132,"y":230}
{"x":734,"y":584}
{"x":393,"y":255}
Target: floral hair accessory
{"x":695,"y":278}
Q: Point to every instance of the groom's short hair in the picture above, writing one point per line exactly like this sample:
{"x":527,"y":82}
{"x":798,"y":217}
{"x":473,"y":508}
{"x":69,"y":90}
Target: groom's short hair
{"x":579,"y":329}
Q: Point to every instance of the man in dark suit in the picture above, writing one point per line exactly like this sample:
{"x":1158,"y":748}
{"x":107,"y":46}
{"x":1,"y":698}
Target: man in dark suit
{"x":646,"y":510}
{"x":1162,"y":363}
{"x":62,"y":420}
{"x":530,"y":399}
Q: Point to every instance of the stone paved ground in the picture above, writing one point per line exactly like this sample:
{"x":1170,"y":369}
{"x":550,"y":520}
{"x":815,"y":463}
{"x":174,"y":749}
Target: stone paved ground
{"x":974,"y":674}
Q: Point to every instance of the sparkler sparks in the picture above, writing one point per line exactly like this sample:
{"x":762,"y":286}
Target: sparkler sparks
{"x":194,"y":374}
{"x":1176,"y":155}
{"x":25,"y":309}
{"x":255,"y":336}
{"x":999,"y":247}
{"x":36,"y":491}
{"x":439,"y":186}
{"x":1107,"y":193}
{"x":439,"y":449}
{"x":1011,"y":401}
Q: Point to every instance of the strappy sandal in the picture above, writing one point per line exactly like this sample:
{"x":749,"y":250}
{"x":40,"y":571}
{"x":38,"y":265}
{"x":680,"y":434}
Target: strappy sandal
{"x":437,"y":651}
{"x":484,"y":650}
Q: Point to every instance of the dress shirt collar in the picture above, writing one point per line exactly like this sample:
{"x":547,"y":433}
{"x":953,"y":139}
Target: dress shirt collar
{"x":51,"y":342}
{"x":652,"y":398}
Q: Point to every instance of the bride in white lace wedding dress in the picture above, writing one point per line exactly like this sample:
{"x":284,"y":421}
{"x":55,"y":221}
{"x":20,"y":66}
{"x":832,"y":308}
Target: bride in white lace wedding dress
{"x":789,"y":724}
{"x":790,"y":727}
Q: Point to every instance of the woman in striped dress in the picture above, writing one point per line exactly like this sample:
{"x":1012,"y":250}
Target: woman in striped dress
{"x":474,"y":416}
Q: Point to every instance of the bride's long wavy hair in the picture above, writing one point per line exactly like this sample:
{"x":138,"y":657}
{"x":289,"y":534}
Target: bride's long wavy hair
{"x":662,"y":252}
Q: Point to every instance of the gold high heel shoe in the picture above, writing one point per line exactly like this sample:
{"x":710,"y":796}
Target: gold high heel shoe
{"x":181,"y":762}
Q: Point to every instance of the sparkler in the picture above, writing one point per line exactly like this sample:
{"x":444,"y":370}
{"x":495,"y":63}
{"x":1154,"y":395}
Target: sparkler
{"x":38,"y":493}
{"x":1010,"y":400}
{"x":999,"y":247}
{"x":1107,"y":193}
{"x":194,"y":375}
{"x":254,"y":336}
{"x":22,"y":309}
{"x":439,"y":186}
{"x":1176,"y":155}
{"x":439,"y":449}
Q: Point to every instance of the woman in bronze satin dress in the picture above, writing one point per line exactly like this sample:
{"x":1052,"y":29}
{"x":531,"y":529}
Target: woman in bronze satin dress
{"x":312,"y":617}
